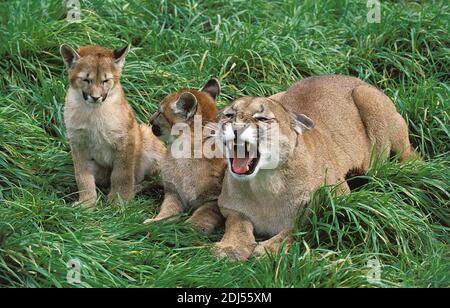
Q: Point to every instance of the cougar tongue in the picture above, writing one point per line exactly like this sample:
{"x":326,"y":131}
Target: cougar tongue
{"x":241,"y":165}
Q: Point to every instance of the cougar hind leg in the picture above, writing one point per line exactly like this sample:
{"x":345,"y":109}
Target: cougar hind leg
{"x":386,"y":129}
{"x":400,"y":144}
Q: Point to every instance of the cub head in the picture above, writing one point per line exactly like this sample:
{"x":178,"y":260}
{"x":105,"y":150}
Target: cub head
{"x":182,"y":106}
{"x":259,"y":133}
{"x":94,"y":71}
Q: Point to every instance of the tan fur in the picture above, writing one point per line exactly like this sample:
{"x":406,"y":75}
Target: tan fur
{"x":109,"y":147}
{"x":238,"y":241}
{"x":278,"y":96}
{"x":351,"y":119}
{"x":190,"y":183}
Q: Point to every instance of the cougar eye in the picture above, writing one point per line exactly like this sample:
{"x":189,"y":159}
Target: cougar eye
{"x":228,"y":114}
{"x":86,"y":80}
{"x":106,"y":81}
{"x":262,"y":118}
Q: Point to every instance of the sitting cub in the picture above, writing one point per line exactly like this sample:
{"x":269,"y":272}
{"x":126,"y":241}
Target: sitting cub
{"x":109,"y":148}
{"x":280,"y":152}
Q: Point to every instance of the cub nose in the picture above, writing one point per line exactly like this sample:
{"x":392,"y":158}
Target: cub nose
{"x":96,"y":99}
{"x":156,"y":130}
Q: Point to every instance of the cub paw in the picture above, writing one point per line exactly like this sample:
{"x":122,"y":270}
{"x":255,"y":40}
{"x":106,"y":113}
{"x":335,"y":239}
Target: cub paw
{"x":116,"y":198}
{"x":85,"y":204}
{"x":234,"y":252}
{"x":152,"y":220}
{"x":112,"y":198}
{"x":157,"y":218}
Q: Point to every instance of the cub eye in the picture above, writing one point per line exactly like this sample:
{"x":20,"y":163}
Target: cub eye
{"x":106,"y":81}
{"x":86,"y":80}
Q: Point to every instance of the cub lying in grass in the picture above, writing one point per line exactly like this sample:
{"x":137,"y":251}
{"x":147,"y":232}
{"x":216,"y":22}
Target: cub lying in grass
{"x":324,"y":127}
{"x":109,"y":148}
{"x":190,"y":182}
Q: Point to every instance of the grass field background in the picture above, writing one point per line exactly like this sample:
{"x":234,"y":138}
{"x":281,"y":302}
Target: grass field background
{"x":401,"y":217}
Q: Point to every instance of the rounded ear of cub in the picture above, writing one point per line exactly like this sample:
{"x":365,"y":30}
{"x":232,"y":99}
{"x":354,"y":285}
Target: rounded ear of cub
{"x":186,"y":106}
{"x":69,"y":55}
{"x":212,"y":87}
{"x":302,"y":123}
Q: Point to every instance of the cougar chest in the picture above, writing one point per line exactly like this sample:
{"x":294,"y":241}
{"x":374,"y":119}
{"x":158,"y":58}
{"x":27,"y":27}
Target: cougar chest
{"x":194,"y":180}
{"x":269,"y":202}
{"x":96,"y":131}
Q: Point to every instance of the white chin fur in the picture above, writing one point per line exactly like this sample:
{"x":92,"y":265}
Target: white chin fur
{"x":90,"y":102}
{"x":243,"y":177}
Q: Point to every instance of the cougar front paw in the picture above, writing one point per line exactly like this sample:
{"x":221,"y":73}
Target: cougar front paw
{"x":271,"y":248}
{"x":203,"y":226}
{"x":234,"y":252}
{"x":262,"y":250}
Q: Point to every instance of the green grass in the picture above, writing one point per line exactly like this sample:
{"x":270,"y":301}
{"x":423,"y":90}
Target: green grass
{"x":401,"y":216}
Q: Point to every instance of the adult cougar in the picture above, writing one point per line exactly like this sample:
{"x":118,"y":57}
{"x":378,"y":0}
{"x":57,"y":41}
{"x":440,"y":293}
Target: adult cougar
{"x":280,"y":152}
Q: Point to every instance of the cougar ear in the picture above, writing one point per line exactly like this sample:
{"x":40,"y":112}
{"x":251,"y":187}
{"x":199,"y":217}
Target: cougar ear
{"x":212,"y":87}
{"x":186,"y":106}
{"x":120,"y":54}
{"x":69,"y":55}
{"x":302,"y":123}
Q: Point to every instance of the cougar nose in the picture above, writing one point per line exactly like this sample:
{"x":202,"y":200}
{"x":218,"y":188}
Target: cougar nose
{"x":156,"y":130}
{"x":239,"y":126}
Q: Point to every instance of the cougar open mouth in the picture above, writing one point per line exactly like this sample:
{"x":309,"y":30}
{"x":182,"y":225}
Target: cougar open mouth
{"x":245,"y":159}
